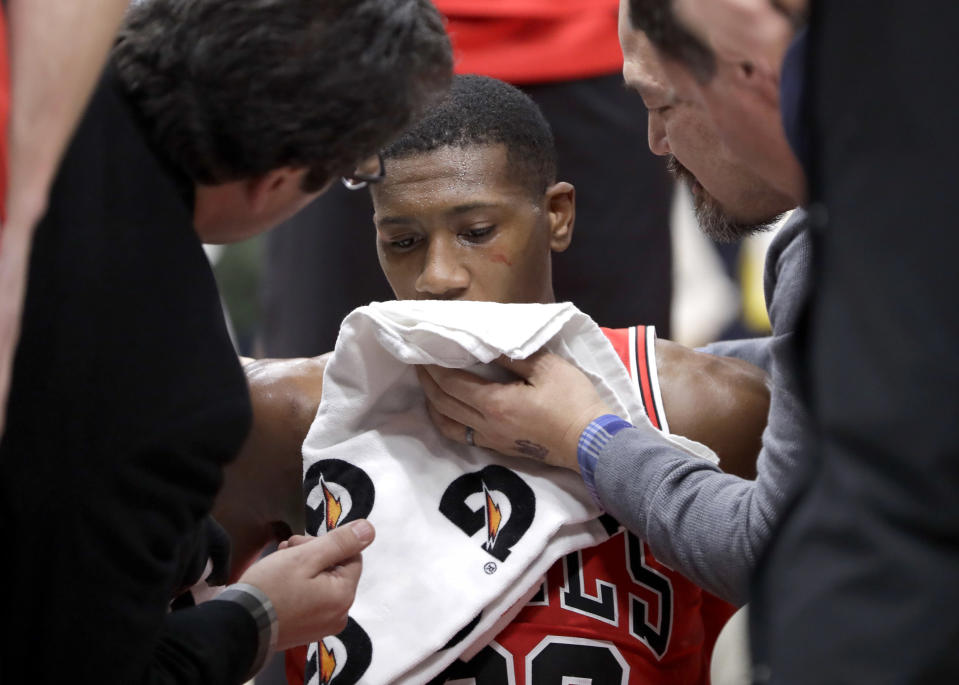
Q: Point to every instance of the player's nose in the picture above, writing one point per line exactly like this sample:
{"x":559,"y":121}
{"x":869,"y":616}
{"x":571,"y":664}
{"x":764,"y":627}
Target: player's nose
{"x":444,"y":276}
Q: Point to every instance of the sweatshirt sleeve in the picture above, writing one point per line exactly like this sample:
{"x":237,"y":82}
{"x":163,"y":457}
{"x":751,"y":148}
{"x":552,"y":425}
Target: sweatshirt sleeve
{"x":707,"y":524}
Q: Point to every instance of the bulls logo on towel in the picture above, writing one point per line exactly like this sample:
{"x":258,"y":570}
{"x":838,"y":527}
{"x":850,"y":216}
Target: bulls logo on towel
{"x":336,"y":493}
{"x":341,"y":659}
{"x":494,"y":500}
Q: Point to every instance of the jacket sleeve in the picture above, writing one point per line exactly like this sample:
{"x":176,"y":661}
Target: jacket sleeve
{"x":210,"y":644}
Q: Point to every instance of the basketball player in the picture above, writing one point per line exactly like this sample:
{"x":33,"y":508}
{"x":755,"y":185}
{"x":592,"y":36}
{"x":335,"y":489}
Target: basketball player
{"x":469,"y":209}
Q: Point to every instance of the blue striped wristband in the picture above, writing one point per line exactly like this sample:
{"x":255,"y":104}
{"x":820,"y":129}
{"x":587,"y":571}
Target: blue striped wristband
{"x":593,"y":439}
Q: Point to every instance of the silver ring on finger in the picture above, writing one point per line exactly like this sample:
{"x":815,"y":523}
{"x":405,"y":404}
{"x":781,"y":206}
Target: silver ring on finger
{"x":469,"y":437}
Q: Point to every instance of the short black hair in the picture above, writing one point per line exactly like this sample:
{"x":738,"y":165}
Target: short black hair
{"x":479,"y":110}
{"x":659,"y":22}
{"x":233,"y":90}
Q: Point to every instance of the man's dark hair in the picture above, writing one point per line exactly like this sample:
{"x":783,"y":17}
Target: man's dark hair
{"x":658,"y":21}
{"x":479,"y":110}
{"x":233,"y":90}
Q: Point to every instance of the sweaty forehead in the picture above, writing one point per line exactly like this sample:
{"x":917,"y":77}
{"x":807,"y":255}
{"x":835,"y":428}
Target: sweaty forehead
{"x":447,"y":176}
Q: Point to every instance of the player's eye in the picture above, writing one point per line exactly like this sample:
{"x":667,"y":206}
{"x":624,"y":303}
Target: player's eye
{"x":477,"y":233}
{"x":404,"y":243}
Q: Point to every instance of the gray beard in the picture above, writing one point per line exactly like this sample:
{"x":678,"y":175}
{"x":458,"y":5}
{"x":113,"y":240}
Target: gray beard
{"x":713,"y":220}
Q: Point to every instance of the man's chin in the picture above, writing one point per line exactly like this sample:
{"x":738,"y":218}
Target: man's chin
{"x":713,"y":220}
{"x":719,"y":225}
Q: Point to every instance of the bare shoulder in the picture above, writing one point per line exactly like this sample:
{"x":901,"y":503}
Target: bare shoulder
{"x":725,"y":373}
{"x":261,"y":499}
{"x":289,"y":389}
{"x":719,"y":401}
{"x":285,"y":394}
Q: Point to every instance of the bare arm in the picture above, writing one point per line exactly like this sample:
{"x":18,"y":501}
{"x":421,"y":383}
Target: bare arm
{"x":718,"y":401}
{"x":261,"y":499}
{"x":57,"y":49}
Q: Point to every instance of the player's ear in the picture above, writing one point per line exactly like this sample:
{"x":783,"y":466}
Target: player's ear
{"x":561,"y":205}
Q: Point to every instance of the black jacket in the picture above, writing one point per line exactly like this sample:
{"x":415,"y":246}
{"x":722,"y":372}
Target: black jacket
{"x":860,"y":585}
{"x":126,"y":402}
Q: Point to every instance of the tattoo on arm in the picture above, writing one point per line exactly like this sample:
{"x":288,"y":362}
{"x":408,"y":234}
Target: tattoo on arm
{"x":531,"y":449}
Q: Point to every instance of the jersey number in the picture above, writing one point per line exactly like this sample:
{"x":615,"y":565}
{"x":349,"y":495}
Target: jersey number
{"x":554,"y":661}
{"x":561,"y":660}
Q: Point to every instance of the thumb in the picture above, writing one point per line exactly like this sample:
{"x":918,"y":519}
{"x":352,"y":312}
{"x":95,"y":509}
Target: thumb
{"x":337,"y":546}
{"x":524,"y":368}
{"x":295,"y":540}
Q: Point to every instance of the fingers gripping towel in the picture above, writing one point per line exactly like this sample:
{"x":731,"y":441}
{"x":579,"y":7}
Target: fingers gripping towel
{"x":462,"y":532}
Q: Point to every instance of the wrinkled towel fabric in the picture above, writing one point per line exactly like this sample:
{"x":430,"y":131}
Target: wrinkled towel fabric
{"x":462,"y":532}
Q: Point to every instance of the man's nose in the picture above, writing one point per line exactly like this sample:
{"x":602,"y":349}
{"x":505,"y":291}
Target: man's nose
{"x":658,"y":139}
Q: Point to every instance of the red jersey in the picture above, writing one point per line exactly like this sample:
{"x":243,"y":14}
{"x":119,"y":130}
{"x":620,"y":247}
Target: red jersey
{"x":609,"y":614}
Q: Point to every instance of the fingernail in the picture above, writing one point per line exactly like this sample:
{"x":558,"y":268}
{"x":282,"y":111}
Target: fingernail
{"x":363,"y":531}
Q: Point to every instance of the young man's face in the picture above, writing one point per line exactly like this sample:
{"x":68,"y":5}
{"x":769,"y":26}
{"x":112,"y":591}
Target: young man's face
{"x":454,"y":224}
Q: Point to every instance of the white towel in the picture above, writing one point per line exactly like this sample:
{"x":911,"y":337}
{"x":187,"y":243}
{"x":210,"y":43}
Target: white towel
{"x":433,"y":578}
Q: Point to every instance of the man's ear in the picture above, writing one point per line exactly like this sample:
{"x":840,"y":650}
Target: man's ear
{"x":561,"y":206}
{"x":261,"y":191}
{"x":761,"y":79}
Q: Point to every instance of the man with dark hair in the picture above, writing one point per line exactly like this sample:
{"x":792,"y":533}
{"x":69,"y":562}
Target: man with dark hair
{"x":741,"y":96}
{"x":286,"y":110}
{"x":866,"y":558}
{"x":655,"y":18}
{"x":471,"y":210}
{"x":213,"y":121}
{"x":860,"y":580}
